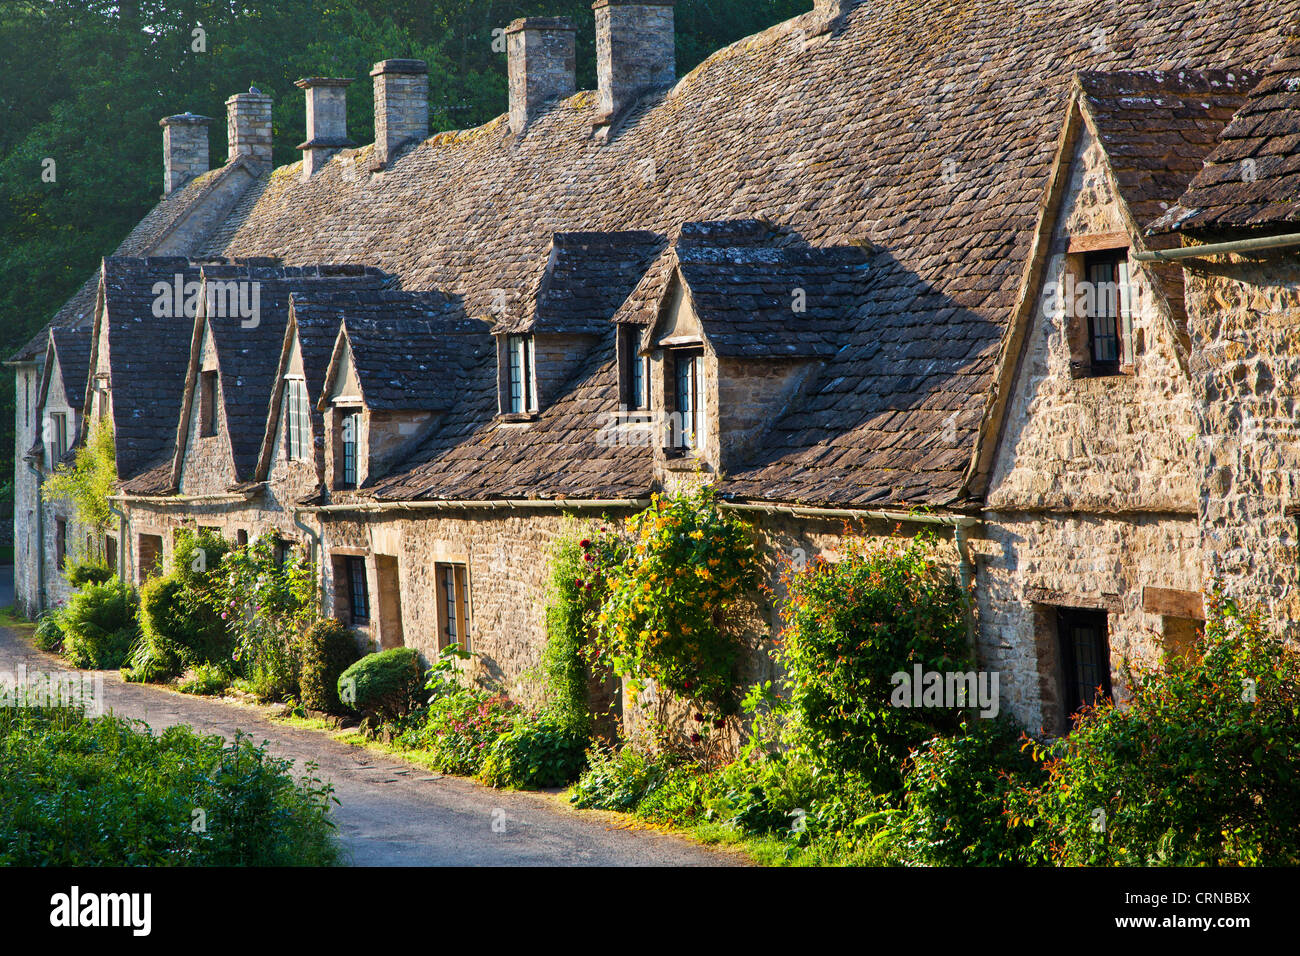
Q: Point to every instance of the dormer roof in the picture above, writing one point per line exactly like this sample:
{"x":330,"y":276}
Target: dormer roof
{"x":412,"y":351}
{"x":587,"y":277}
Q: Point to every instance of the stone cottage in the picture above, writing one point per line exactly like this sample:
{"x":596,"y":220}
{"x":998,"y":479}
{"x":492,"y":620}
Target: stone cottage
{"x":910,"y":267}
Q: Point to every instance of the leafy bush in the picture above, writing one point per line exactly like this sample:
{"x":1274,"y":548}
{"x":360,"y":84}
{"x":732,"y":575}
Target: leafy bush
{"x":65,"y":775}
{"x":328,"y":648}
{"x":90,"y":480}
{"x":1201,"y":767}
{"x":460,"y":727}
{"x":180,"y":613}
{"x":89,"y":572}
{"x":956,"y":789}
{"x":568,"y":605}
{"x":616,"y":779}
{"x":99,"y":624}
{"x":850,"y":626}
{"x":208,"y":680}
{"x":384,"y":686}
{"x":668,"y":597}
{"x":267,"y":604}
{"x":542,"y":750}
{"x":49,"y":632}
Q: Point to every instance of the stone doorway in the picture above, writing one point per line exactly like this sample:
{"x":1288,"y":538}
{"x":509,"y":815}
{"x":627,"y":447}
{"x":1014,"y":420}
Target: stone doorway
{"x":390,"y":602}
{"x":1085,"y":658}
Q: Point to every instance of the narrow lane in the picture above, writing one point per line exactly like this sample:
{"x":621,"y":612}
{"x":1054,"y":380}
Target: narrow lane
{"x":396,"y":814}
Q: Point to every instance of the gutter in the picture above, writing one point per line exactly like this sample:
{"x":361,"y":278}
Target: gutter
{"x":41,"y":594}
{"x":1220,"y":248}
{"x":498,"y":504}
{"x":318,"y":555}
{"x":536,"y":504}
{"x":223,"y":499}
{"x":123,"y":539}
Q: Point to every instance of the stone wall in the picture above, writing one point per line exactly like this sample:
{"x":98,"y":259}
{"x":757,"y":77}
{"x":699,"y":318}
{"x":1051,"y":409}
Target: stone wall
{"x":1028,"y":565}
{"x":1245,"y":325}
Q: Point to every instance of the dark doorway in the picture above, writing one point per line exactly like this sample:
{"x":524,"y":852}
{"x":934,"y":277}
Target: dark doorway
{"x":1085,"y":658}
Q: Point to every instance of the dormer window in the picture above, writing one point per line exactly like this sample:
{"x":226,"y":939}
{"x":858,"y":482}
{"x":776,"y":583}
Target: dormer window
{"x":686,"y":426}
{"x":1109,"y":311}
{"x":351,"y":433}
{"x":522,"y":390}
{"x":634,"y":370}
{"x":296,"y":416}
{"x":58,"y":437}
{"x":208,"y":404}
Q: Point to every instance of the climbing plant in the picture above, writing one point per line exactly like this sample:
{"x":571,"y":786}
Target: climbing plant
{"x":89,"y":481}
{"x":669,"y":587}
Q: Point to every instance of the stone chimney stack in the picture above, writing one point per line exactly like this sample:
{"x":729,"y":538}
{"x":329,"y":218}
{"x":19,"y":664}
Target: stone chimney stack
{"x":185,"y":149}
{"x":248,"y":129}
{"x":401,"y":106}
{"x":634,"y":51}
{"x":327,"y":121}
{"x":542,"y":66}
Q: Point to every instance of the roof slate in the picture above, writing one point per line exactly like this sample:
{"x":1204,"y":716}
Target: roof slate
{"x":924,"y":130}
{"x":1252,"y":177}
{"x":248,"y":354}
{"x":72,"y":346}
{"x":588,"y":276}
{"x":148,"y":356}
{"x":412,"y":351}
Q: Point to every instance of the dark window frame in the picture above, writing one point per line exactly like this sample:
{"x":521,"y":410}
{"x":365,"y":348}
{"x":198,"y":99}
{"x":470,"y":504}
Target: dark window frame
{"x":296,"y":417}
{"x":452,"y":581}
{"x":1085,"y":664}
{"x":687,"y":368}
{"x":1110,"y":324}
{"x":208,"y":388}
{"x":635,"y":372}
{"x":60,"y":542}
{"x":349,"y":470}
{"x":358,"y":589}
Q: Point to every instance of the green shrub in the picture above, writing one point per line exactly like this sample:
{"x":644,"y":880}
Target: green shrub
{"x":89,"y":572}
{"x":616,"y":779}
{"x":542,"y":750}
{"x":384,"y":686}
{"x":328,"y":648}
{"x":850,"y":626}
{"x":1201,"y":766}
{"x":49,"y":632}
{"x":669,"y":595}
{"x":99,"y":624}
{"x":563,"y":662}
{"x":956,"y":789}
{"x":106,"y":792}
{"x":182,"y":616}
{"x":208,"y":680}
{"x":460,"y":727}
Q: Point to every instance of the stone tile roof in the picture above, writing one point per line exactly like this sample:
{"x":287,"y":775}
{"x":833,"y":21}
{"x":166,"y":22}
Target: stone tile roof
{"x":1252,"y":177}
{"x":842,"y":138}
{"x":926,"y":131}
{"x":142,"y":240}
{"x":587,"y":277}
{"x":248,"y":355}
{"x":148,"y":358}
{"x":412,"y":351}
{"x":72,"y":346}
{"x":761,"y":296}
{"x":1158,"y":127}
